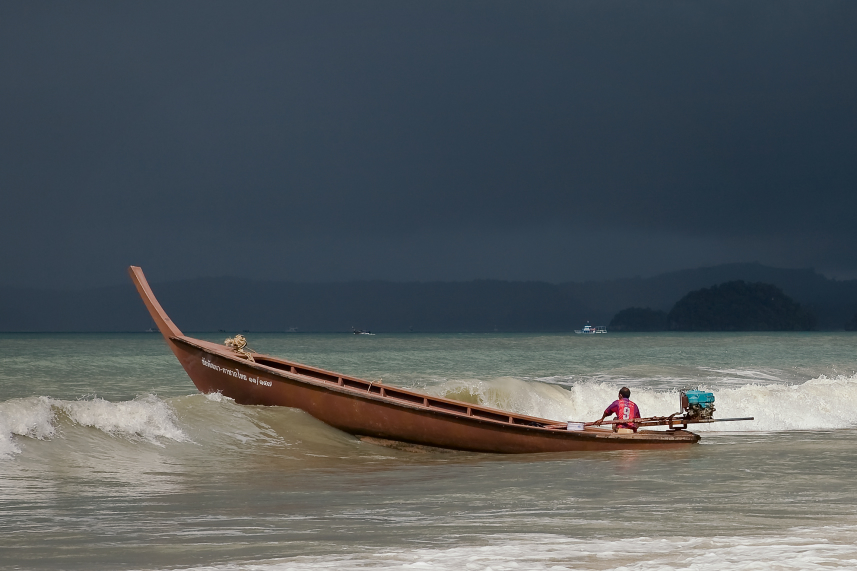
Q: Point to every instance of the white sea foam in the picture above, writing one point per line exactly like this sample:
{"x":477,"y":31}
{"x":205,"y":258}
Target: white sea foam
{"x":217,"y":397}
{"x":32,"y":417}
{"x":146,"y":417}
{"x":820,"y":403}
{"x":804,"y":549}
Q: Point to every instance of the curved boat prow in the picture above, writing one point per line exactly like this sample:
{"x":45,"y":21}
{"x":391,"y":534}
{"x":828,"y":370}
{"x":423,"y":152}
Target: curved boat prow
{"x":166,"y":326}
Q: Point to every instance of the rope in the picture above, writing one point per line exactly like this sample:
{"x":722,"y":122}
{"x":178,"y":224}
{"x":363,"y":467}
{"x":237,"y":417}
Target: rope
{"x":239,"y":345}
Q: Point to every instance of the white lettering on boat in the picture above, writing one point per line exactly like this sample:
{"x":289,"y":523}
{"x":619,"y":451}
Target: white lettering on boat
{"x":236,"y":373}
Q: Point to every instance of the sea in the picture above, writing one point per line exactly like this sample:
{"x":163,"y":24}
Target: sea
{"x":110,"y":459}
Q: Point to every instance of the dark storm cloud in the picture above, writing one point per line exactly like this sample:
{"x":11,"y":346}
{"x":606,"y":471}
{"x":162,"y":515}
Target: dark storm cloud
{"x":425,"y":140}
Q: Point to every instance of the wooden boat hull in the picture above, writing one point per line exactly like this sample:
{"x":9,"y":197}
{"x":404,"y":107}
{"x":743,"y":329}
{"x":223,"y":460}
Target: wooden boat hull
{"x":366,"y":408}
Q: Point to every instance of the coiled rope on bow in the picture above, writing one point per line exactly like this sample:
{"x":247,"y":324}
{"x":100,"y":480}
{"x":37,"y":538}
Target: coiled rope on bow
{"x":239,"y":345}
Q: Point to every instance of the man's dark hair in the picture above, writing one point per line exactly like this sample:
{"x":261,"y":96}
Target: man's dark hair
{"x":625,"y":393}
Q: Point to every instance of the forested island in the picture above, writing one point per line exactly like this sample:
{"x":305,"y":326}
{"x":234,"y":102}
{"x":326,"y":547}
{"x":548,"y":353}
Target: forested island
{"x":730,"y":306}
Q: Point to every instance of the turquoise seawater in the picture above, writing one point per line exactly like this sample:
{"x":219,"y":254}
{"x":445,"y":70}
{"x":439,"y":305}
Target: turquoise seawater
{"x":110,"y":458}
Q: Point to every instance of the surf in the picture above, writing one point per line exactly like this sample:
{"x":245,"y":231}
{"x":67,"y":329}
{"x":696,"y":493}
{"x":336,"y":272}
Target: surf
{"x":821,"y":403}
{"x":146,"y":418}
{"x":800,"y":548}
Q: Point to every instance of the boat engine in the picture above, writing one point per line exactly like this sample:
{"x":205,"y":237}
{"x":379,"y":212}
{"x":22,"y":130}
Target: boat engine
{"x":697,"y":405}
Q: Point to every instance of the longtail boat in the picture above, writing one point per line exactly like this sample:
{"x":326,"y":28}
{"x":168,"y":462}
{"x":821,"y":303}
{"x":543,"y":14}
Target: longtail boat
{"x":370,"y":409}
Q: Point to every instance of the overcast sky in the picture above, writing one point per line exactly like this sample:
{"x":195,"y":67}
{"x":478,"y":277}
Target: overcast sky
{"x":424,"y":140}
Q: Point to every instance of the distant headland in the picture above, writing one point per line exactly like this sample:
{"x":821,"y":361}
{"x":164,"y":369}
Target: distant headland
{"x":730,"y":306}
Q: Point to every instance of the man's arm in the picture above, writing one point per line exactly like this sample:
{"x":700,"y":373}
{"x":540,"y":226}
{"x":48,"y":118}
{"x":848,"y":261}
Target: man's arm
{"x":607,"y":412}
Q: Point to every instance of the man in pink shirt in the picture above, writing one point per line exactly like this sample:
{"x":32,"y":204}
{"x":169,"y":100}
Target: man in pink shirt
{"x":624,"y":409}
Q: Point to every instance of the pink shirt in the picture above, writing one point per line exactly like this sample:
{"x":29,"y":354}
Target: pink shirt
{"x":624,"y":408}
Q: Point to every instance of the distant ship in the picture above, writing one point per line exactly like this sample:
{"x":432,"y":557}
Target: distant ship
{"x":589,"y":330}
{"x":361,"y":331}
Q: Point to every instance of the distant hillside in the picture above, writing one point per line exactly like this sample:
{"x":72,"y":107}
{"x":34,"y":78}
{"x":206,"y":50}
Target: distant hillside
{"x":639,"y":319}
{"x":234,"y":304}
{"x":739,"y":306}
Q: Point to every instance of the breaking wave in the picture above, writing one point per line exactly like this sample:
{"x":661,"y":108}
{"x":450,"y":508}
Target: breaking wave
{"x":823,"y":403}
{"x":32,"y":417}
{"x":820,"y":403}
{"x":147,"y":418}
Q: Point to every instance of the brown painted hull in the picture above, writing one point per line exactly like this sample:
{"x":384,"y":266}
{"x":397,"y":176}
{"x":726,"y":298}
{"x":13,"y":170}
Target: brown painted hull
{"x":365,"y":408}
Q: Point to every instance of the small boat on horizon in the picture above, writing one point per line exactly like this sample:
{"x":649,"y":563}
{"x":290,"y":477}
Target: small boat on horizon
{"x":361,"y":331}
{"x":589,"y":330}
{"x":373,"y":410}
